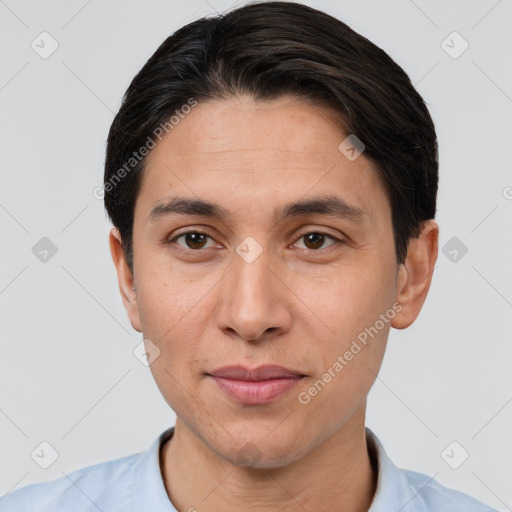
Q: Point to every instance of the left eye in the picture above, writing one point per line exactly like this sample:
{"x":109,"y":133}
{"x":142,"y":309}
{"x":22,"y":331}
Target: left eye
{"x":193,"y":240}
{"x":316,"y":239}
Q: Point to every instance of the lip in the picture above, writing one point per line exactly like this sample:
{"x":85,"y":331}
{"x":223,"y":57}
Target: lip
{"x":255,"y":386}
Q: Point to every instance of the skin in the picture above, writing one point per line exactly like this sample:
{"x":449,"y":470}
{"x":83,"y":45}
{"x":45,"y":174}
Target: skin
{"x":298,"y":304}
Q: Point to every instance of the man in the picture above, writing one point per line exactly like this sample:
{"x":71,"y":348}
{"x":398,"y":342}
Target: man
{"x":272,"y":178}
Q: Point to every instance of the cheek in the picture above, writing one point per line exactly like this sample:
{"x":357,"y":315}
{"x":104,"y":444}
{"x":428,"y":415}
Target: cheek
{"x":166,"y":296}
{"x":174,"y":308}
{"x":345,"y":377}
{"x":171,"y":322}
{"x":356,"y":304}
{"x":350,"y":297}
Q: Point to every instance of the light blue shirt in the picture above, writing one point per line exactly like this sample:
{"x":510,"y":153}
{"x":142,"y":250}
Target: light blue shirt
{"x":134,"y":484}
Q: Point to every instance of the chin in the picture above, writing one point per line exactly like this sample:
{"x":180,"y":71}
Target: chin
{"x":262,"y":454}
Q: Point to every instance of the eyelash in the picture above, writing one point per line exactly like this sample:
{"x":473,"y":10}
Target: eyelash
{"x":336,"y":241}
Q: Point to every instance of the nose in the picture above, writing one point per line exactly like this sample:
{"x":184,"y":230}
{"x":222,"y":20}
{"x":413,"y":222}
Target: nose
{"x":254,"y":301}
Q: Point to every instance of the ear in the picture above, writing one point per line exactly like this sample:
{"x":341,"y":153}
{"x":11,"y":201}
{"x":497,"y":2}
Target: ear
{"x":415,"y":274}
{"x":125,"y":279}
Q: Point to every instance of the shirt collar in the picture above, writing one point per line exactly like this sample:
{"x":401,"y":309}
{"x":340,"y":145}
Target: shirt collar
{"x":148,"y":489}
{"x":394,"y":491}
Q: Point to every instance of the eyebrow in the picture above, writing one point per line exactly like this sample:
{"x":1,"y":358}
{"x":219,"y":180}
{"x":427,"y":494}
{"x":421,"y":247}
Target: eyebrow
{"x":326,"y":205}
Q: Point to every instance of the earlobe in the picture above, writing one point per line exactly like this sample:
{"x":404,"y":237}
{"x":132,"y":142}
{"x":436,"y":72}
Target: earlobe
{"x":125,"y":279}
{"x":415,"y":274}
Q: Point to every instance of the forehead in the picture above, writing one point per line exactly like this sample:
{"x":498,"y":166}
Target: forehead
{"x":241,"y":124}
{"x":241,"y":151}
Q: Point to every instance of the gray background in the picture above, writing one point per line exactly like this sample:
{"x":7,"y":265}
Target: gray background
{"x":68,"y":375}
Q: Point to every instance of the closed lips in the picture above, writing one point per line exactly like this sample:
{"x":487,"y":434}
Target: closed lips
{"x":266,"y":372}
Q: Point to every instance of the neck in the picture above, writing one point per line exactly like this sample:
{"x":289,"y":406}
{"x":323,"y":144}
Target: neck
{"x":337,"y":475}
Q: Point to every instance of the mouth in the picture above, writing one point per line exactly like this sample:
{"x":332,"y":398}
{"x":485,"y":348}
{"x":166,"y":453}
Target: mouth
{"x":255,"y":386}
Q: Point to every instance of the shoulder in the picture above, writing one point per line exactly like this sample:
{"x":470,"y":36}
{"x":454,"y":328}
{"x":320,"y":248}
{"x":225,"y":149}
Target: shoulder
{"x":104,"y":486}
{"x":440,"y":498}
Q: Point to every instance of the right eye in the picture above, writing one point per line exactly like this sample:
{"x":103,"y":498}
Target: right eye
{"x":193,"y":240}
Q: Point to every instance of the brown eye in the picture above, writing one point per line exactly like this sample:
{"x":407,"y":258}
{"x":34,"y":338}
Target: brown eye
{"x":316,"y":239}
{"x":194,"y":240}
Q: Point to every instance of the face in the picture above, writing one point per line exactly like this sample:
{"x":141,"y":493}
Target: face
{"x":289,"y":264}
